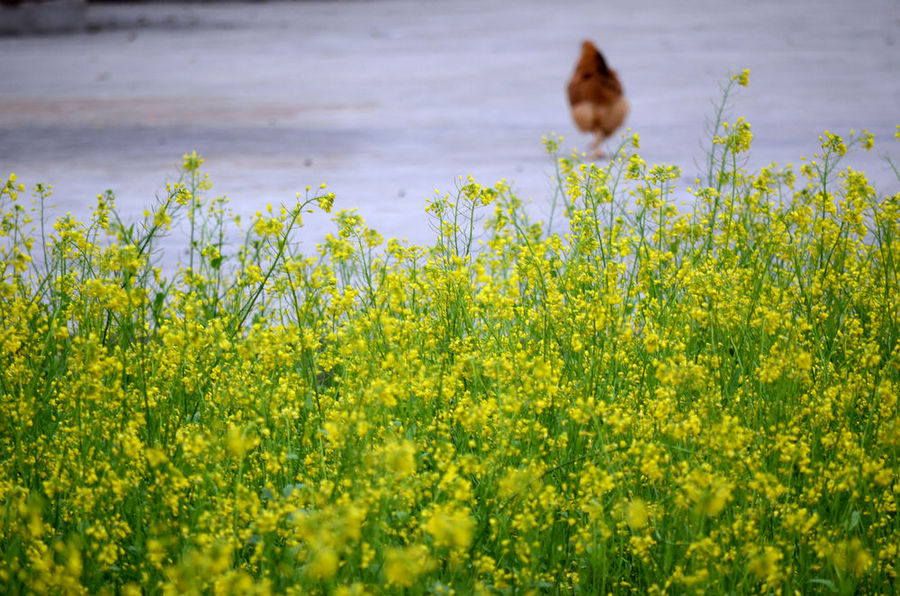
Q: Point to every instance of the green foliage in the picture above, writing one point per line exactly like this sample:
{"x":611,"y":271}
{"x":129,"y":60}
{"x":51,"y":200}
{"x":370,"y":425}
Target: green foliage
{"x":653,"y":401}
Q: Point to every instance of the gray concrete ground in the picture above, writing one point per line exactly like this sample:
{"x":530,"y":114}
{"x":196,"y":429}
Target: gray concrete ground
{"x":390,"y":100}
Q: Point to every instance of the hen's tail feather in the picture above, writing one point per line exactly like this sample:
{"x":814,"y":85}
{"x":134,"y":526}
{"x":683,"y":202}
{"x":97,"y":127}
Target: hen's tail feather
{"x":583,"y":115}
{"x":605,"y":118}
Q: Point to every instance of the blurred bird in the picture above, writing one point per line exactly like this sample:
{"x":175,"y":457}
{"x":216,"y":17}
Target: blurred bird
{"x":596,"y":97}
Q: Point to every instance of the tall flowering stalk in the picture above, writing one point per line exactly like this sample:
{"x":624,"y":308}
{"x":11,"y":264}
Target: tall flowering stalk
{"x":649,"y":399}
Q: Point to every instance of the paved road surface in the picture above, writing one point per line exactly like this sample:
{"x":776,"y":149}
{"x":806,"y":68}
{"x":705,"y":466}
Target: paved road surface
{"x":389,"y":100}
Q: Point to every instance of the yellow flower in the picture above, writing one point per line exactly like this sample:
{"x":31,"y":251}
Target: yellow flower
{"x":355,"y":589}
{"x":868,"y":140}
{"x":155,"y":457}
{"x":517,"y":481}
{"x":161,"y":218}
{"x":450,"y":527}
{"x":636,"y":515}
{"x":743,"y":79}
{"x":740,"y":137}
{"x":400,"y":458}
{"x":326,"y":202}
{"x":651,"y":342}
{"x":192,"y":162}
{"x":708,"y":492}
{"x":404,"y":565}
{"x":237,"y":441}
{"x":634,"y":170}
{"x":832,"y":142}
{"x":156,"y":553}
{"x":324,"y":563}
{"x":765,"y":564}
{"x":850,"y":556}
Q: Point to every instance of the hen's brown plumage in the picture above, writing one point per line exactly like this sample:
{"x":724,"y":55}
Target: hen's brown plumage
{"x":595,"y":94}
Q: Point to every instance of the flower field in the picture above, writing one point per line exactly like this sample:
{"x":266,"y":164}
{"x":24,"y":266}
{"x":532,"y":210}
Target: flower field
{"x":661,"y":399}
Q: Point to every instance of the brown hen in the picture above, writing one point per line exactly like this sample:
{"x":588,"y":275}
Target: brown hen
{"x":595,"y":94}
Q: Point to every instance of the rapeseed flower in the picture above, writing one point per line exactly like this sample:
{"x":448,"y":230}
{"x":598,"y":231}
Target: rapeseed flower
{"x":638,"y":397}
{"x":404,"y":565}
{"x":450,"y":527}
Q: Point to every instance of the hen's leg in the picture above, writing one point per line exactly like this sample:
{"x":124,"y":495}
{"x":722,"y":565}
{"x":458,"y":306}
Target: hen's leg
{"x":596,"y":147}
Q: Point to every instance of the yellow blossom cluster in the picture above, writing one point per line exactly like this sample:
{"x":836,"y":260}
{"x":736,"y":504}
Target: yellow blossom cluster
{"x":654,"y":400}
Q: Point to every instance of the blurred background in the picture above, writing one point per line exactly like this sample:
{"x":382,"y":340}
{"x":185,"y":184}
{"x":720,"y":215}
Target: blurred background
{"x":387,"y":101}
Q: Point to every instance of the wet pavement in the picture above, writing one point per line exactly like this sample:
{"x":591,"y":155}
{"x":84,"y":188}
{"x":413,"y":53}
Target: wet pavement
{"x":390,"y":100}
